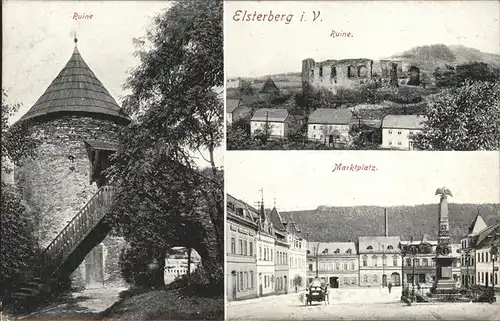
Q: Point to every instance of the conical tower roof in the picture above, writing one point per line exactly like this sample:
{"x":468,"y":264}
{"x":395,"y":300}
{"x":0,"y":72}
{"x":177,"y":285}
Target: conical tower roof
{"x":76,"y":89}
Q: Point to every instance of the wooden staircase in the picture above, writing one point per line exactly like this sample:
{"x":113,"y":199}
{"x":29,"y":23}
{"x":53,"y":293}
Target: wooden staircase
{"x":68,"y":250}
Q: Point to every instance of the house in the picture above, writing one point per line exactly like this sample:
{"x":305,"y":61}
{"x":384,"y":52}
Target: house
{"x":297,"y":260}
{"x":266,"y":244}
{"x":273,"y":120}
{"x":282,"y":248}
{"x":241,"y":231}
{"x":468,"y":253}
{"x":420,"y":263}
{"x":486,"y":265}
{"x":334,"y":263}
{"x":270,"y":88}
{"x":176,"y":264}
{"x":235,"y":110}
{"x":397,"y":130}
{"x":379,"y":260}
{"x":329,"y":125}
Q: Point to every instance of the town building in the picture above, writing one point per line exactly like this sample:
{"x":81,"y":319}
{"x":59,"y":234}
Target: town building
{"x":297,"y":258}
{"x":397,"y":130}
{"x":242,"y":224}
{"x":420,"y":264}
{"x":235,"y":110}
{"x":282,"y":248}
{"x":232,"y":83}
{"x":329,"y":125}
{"x":468,"y":253}
{"x":486,"y":262}
{"x":271,"y":121}
{"x":333,"y":263}
{"x":180,"y":262}
{"x":379,"y":260}
{"x":76,"y":121}
{"x":266,"y":244}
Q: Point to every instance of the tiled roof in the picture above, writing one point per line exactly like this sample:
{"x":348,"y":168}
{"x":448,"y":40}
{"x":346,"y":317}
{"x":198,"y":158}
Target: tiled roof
{"x":404,"y":121}
{"x":231,"y":104}
{"x":76,"y":89}
{"x":341,"y":116}
{"x":483,"y":236}
{"x":335,"y":248}
{"x":242,"y":209}
{"x":270,"y":114}
{"x":275,"y":218}
{"x":378,"y":243}
{"x":269,"y":87}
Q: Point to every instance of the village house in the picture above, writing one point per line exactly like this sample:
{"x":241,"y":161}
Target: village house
{"x":397,"y":130}
{"x":468,"y":252}
{"x":297,"y":259}
{"x":420,"y":263}
{"x":273,"y":121}
{"x":177,"y":263}
{"x":282,"y":248}
{"x":235,"y":110}
{"x":241,"y":231}
{"x":379,"y":260}
{"x":486,"y":268}
{"x":329,"y":125}
{"x":333,"y":263}
{"x":265,"y":256}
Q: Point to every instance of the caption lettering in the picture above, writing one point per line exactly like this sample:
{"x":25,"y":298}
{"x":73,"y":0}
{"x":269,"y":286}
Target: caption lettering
{"x":339,"y":167}
{"x":286,"y":18}
{"x":82,"y":16}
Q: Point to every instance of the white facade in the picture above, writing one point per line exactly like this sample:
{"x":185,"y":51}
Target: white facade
{"x":398,"y":138}
{"x":229,"y":118}
{"x":277,"y":129}
{"x":377,"y":269}
{"x":484,"y":267}
{"x":265,"y":264}
{"x":177,"y":267}
{"x":297,"y":261}
{"x":319,"y":131}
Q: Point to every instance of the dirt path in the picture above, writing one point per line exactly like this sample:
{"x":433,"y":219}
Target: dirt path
{"x":85,"y":305}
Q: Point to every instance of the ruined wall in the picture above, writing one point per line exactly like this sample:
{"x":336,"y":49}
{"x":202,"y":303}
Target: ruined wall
{"x":54,"y":187}
{"x":333,"y":74}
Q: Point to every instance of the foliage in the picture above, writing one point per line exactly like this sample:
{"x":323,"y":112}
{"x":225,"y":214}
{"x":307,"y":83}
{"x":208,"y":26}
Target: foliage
{"x":432,"y":52}
{"x":18,"y":245}
{"x":162,"y":198}
{"x":457,"y":76}
{"x":348,"y":223}
{"x":463,"y":118}
{"x":245,"y":88}
{"x":297,"y":281}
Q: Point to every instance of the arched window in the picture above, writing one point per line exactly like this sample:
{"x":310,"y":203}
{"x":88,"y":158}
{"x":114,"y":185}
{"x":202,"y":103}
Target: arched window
{"x":348,"y":251}
{"x":362,"y":72}
{"x":308,"y":252}
{"x":365,"y":278}
{"x":325,"y":251}
{"x":333,"y":72}
{"x":374,"y":278}
{"x":337,"y":251}
{"x":369,"y":248}
{"x":390,"y":247}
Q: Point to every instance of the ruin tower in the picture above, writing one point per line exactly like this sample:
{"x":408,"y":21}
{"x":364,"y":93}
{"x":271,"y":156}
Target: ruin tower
{"x":76,"y":122}
{"x":444,"y":259}
{"x":307,"y":71}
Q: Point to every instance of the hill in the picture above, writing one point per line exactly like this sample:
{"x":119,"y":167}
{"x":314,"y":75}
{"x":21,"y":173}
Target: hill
{"x":438,"y":55}
{"x":328,"y":224}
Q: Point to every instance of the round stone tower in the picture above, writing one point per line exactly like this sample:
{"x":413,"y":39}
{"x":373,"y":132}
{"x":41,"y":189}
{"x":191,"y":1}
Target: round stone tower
{"x":76,"y":122}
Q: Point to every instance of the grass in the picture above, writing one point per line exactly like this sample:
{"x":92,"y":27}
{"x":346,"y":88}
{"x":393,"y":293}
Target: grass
{"x":164,"y":304}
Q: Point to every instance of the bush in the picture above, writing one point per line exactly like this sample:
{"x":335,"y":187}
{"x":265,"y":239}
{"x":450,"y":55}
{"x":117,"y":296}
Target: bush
{"x":135,"y":266}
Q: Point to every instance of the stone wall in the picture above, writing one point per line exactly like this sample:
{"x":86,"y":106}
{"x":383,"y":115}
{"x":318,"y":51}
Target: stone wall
{"x":56,"y":184}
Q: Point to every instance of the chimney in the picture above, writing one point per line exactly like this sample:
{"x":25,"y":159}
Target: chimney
{"x":386,"y":224}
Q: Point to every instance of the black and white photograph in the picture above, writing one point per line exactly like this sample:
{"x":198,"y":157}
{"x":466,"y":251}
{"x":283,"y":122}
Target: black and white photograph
{"x":362,"y":236}
{"x":362,"y":75}
{"x":112,"y":160}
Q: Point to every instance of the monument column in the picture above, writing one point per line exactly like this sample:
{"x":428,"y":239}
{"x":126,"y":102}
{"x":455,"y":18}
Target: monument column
{"x":444,"y":259}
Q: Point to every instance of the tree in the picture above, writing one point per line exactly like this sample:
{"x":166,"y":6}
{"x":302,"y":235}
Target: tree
{"x":162,"y":198}
{"x":264,"y":133}
{"x":245,"y":88}
{"x":297,"y":282}
{"x":18,"y":245}
{"x":463,"y":118}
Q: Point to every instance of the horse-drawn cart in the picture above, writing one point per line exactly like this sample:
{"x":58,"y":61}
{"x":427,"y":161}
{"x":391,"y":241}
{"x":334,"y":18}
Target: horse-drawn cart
{"x":317,"y":292}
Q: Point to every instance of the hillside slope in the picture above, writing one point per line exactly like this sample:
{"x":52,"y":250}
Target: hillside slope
{"x":328,"y":224}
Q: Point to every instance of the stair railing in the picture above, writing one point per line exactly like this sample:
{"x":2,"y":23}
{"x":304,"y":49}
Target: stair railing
{"x":74,"y":232}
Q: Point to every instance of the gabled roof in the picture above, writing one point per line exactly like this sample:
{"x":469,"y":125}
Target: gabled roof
{"x":249,"y":100}
{"x":270,"y":114}
{"x":483,"y":236}
{"x":341,"y":116}
{"x":378,"y":244}
{"x":269,"y":87}
{"x":76,"y":89}
{"x":477,"y":225}
{"x":334,"y":248}
{"x":232,"y":104}
{"x":404,"y":121}
{"x":276,"y":220}
{"x":242,"y":210}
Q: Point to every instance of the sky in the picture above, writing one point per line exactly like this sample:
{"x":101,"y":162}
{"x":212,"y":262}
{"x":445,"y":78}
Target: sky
{"x":379,"y":29}
{"x":300,"y":180}
{"x":38,"y":42}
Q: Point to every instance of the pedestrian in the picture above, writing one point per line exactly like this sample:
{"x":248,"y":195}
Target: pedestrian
{"x":389,"y":286}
